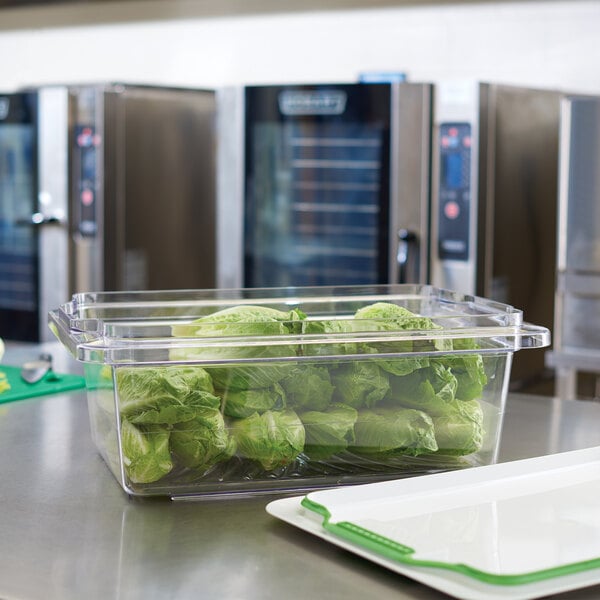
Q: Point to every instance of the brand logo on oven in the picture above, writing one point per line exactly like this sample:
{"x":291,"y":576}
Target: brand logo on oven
{"x":321,"y":102}
{"x":4,"y":106}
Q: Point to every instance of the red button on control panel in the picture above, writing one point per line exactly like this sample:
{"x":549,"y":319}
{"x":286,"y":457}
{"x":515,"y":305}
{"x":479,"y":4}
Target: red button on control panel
{"x":451,"y":210}
{"x":87,"y":197}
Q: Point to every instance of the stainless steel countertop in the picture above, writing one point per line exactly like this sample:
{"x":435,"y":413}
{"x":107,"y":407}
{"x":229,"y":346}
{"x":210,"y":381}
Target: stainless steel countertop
{"x":68,"y":531}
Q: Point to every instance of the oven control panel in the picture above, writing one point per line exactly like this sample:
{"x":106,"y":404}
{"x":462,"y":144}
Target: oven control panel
{"x":87,"y":142}
{"x":454,"y":191}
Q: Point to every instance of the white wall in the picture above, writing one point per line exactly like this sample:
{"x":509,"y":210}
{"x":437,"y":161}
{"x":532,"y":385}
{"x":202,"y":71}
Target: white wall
{"x":543,"y":44}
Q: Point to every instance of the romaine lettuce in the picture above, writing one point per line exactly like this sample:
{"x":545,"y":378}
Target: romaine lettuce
{"x":308,"y":387}
{"x":167,"y":395}
{"x":404,"y":365}
{"x":203,"y":441}
{"x":429,"y":389}
{"x":384,"y":316}
{"x":391,"y":432}
{"x":250,"y":376}
{"x":269,"y":402}
{"x":467,"y":368}
{"x":458,"y":423}
{"x":244,"y":320}
{"x":328,"y":432}
{"x":387,"y":316}
{"x":146,"y":454}
{"x":274,"y":439}
{"x":329,"y":326}
{"x":241,"y":321}
{"x":243,"y":403}
{"x":460,"y":432}
{"x":359,"y":383}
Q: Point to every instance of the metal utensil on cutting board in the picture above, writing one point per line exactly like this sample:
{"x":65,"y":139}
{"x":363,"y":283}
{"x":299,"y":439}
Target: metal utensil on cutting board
{"x":35,"y":370}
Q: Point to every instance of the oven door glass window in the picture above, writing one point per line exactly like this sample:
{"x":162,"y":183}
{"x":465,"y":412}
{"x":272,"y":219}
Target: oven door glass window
{"x":315,"y":215}
{"x":18,"y":239}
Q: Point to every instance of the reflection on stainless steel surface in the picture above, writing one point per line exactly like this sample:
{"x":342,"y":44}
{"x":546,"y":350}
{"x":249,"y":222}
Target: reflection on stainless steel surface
{"x":97,"y":543}
{"x":536,"y":425}
{"x":577,"y":300}
{"x":67,"y":530}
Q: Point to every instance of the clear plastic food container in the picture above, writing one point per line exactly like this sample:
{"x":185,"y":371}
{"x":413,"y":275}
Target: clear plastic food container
{"x":204,"y":392}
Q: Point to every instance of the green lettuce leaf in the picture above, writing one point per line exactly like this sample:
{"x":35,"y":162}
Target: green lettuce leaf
{"x":242,"y":321}
{"x":146,"y":455}
{"x":387,"y":316}
{"x":243,"y":403}
{"x":329,"y":326}
{"x":384,"y":433}
{"x":431,"y":389}
{"x":328,"y":432}
{"x":458,"y":423}
{"x":163,"y":394}
{"x":384,"y":316}
{"x":308,"y":387}
{"x":273,"y":439}
{"x":359,"y":383}
{"x":460,"y":432}
{"x":404,"y":365}
{"x":203,"y":441}
{"x":468,"y":369}
{"x":250,"y":376}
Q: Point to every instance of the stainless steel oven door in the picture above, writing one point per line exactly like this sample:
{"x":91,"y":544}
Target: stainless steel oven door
{"x":52,"y":219}
{"x":323,"y":184}
{"x":33,"y":211}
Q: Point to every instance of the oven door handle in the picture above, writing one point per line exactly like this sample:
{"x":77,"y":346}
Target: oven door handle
{"x":38,"y":218}
{"x":408,"y":244}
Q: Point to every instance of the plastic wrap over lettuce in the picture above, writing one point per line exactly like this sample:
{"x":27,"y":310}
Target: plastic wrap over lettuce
{"x":165,"y":394}
{"x":360,"y":383}
{"x":240,"y":322}
{"x":203,"y":441}
{"x":330,"y":431}
{"x":274,"y":439}
{"x":246,"y":320}
{"x":392,"y":432}
{"x":384,"y":316}
{"x":409,"y":398}
{"x":146,"y":454}
{"x":308,"y":387}
{"x":169,"y":411}
{"x":243,"y":403}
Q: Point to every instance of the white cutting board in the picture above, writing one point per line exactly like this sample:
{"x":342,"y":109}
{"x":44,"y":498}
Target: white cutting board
{"x":516,"y":530}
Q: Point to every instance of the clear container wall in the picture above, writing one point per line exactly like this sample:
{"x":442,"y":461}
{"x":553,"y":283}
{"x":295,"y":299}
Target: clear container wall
{"x":178,"y":429}
{"x":250,"y":391}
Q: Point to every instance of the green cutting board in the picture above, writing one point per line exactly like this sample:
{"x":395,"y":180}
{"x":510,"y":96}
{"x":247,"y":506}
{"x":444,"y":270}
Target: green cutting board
{"x":51,"y":383}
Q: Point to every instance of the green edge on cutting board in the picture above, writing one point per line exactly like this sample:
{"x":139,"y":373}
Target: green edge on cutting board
{"x":51,"y":383}
{"x":400,"y":553}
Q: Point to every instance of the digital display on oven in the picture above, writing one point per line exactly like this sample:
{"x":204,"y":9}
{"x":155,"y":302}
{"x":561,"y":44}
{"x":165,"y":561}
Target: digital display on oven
{"x":452,"y":171}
